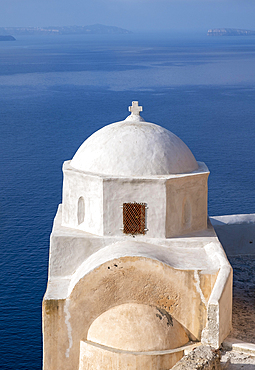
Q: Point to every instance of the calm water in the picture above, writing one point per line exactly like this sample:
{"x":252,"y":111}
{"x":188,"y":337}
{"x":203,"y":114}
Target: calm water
{"x":56,"y":91}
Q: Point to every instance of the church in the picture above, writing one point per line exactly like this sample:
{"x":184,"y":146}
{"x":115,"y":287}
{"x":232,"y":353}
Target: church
{"x":136,"y":271}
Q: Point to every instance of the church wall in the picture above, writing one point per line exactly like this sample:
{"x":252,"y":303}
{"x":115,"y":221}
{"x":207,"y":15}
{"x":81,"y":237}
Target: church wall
{"x":68,"y":252}
{"x":186,"y":209}
{"x":77,"y":185}
{"x":219,"y":308}
{"x":118,"y":191}
{"x":171,"y":290}
{"x":225,"y":309}
{"x":52,"y":314}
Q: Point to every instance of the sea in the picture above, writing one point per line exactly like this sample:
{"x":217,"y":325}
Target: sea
{"x":55,"y":91}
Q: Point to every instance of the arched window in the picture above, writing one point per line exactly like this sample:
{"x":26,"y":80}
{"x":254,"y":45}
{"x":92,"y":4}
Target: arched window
{"x":81,"y":210}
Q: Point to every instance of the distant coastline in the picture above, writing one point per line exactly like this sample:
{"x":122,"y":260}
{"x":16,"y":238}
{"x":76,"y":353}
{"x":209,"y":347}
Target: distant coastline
{"x":7,"y":38}
{"x":66,"y":30}
{"x":229,"y":32}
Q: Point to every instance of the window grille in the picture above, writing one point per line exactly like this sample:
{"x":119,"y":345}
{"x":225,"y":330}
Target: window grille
{"x":134,"y":218}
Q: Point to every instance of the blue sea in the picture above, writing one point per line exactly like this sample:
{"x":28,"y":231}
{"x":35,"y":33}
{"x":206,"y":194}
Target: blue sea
{"x":56,"y":91}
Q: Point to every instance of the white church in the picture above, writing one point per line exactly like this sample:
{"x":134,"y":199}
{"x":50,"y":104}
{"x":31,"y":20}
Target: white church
{"x":136,"y":271}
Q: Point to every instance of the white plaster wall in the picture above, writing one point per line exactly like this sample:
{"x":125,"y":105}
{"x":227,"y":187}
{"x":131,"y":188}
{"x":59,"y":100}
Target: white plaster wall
{"x":119,"y":191}
{"x":176,"y":204}
{"x":186,"y":209}
{"x":70,"y":248}
{"x":76,"y":185}
{"x":225,"y":306}
{"x":219,"y":308}
{"x":236,"y":233}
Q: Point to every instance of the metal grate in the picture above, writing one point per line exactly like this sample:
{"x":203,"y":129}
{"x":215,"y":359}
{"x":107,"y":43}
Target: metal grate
{"x":134,"y":218}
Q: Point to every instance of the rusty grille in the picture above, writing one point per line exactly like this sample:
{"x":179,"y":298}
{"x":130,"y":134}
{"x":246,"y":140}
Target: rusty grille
{"x":134,"y":218}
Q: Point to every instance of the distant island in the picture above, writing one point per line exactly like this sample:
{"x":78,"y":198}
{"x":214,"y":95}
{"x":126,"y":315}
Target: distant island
{"x":7,"y":38}
{"x":229,"y":32}
{"x":66,"y":30}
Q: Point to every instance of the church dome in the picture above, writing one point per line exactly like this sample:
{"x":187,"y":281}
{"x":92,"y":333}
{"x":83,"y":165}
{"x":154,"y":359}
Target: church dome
{"x":136,"y":148}
{"x":137,"y":327}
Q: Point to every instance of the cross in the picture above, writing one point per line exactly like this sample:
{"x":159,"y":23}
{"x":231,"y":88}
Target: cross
{"x":135,"y":109}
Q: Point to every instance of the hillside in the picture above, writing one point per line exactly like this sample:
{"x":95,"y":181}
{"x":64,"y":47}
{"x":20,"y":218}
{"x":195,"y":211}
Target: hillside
{"x":66,"y":30}
{"x":7,"y":38}
{"x":229,"y":32}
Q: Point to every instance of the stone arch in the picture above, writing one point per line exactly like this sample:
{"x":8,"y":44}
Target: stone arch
{"x":156,"y":284}
{"x":111,"y":284}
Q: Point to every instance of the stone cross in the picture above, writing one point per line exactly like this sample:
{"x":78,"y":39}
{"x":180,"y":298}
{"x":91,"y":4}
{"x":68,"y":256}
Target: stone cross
{"x":135,"y":109}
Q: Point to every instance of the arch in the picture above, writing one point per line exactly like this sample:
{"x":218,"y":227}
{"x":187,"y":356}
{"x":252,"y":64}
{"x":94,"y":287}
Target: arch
{"x":113,"y":284}
{"x":81,"y":210}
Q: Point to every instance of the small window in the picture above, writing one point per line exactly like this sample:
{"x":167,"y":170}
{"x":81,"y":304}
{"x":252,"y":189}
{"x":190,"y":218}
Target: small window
{"x":134,"y":218}
{"x":81,"y":210}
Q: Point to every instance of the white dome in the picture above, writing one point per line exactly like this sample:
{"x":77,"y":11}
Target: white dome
{"x":136,"y":148}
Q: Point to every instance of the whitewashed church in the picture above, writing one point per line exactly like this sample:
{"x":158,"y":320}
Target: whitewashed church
{"x":136,"y":271}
